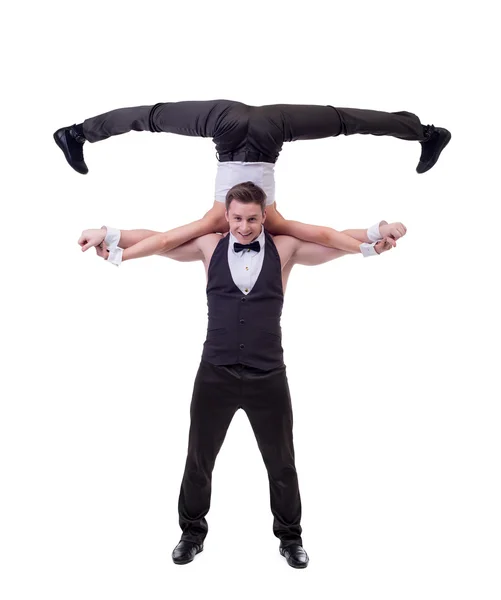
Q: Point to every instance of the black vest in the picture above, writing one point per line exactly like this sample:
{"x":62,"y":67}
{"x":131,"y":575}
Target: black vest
{"x":244,"y":329}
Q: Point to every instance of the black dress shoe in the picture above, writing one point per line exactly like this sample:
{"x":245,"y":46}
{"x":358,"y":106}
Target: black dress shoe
{"x":71,"y":143}
{"x":185,"y":552}
{"x":437,"y":140}
{"x":295,"y":555}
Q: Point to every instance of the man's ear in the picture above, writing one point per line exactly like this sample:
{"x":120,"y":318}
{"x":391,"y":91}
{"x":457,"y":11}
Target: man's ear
{"x":226,"y":216}
{"x":264,"y":215}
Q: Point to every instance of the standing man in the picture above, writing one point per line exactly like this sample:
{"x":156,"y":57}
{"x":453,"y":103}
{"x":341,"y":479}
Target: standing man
{"x":242,"y":362}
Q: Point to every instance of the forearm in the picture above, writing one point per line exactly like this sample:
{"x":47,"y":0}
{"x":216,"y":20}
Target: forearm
{"x":146,"y":245}
{"x":358,"y":234}
{"x":325,"y":236}
{"x":130,"y":237}
{"x":315,"y":254}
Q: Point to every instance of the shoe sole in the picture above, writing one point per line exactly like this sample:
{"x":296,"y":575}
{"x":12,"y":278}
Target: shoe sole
{"x":446,"y":140}
{"x":185,"y":562}
{"x":300,"y":566}
{"x":60,"y":145}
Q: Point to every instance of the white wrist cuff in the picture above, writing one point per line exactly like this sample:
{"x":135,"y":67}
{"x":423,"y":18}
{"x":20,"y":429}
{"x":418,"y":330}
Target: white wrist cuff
{"x":112,"y":237}
{"x":115,"y":256}
{"x":373,"y":232}
{"x":368,"y":249}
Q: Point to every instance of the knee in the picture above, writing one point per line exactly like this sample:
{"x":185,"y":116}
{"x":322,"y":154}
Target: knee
{"x":275,"y":223}
{"x":282,"y":475}
{"x":214,"y":218}
{"x":198,"y":472}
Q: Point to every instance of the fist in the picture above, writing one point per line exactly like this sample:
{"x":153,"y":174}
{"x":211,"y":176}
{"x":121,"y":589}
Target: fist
{"x":392,"y":230}
{"x":102,"y":251}
{"x":385,"y":244}
{"x":91,"y":238}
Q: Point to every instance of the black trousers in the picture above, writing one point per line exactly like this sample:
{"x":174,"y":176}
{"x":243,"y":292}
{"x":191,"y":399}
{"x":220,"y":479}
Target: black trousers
{"x":218,"y":393}
{"x":252,"y":133}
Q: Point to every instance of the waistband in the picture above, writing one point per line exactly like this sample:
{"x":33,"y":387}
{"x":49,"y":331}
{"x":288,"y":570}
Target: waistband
{"x":245,"y":156}
{"x":241,"y":370}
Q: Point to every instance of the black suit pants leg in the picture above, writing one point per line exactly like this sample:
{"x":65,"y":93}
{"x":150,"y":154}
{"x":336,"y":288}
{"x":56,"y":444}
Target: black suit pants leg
{"x":214,"y":402}
{"x":267,"y":402}
{"x":278,"y":123}
{"x":223,"y":120}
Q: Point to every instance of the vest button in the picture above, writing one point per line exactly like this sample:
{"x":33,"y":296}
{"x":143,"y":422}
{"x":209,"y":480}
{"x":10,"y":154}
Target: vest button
{"x":242,"y":321}
{"x":243,"y":299}
{"x":242,"y":346}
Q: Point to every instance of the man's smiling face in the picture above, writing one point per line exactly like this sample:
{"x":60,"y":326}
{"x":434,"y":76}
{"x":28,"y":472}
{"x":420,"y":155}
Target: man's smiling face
{"x":245,"y":220}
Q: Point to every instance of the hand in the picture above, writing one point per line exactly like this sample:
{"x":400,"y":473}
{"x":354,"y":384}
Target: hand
{"x":385,"y":244}
{"x":102,"y":251}
{"x":392,"y":230}
{"x":91,"y":238}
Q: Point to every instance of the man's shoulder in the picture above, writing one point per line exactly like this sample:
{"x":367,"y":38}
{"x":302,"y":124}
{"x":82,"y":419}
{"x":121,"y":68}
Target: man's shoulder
{"x":286,"y":246}
{"x":282,"y":238}
{"x":210,"y":238}
{"x":207,"y":243}
{"x":285,"y":241}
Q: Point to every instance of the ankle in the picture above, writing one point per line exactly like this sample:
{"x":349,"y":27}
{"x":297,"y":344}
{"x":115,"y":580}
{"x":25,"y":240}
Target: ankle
{"x":428,"y":131}
{"x":78,"y":133}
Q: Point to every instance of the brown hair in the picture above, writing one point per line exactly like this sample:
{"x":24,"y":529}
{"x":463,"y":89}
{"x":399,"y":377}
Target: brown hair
{"x":247,"y":193}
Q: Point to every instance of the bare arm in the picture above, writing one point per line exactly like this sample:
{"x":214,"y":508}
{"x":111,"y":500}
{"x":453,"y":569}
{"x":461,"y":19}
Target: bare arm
{"x":136,"y":243}
{"x":190,"y":251}
{"x":392,"y":230}
{"x":358,"y":234}
{"x":161,"y":243}
{"x":325,"y":236}
{"x":306,"y":253}
{"x":293,"y":251}
{"x":348,"y":240}
{"x":310,"y":254}
{"x":130,"y":237}
{"x":145,"y":246}
{"x":91,"y":238}
{"x":186,"y":252}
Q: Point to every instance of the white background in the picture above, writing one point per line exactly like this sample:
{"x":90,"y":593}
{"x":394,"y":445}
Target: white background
{"x":393,"y":362}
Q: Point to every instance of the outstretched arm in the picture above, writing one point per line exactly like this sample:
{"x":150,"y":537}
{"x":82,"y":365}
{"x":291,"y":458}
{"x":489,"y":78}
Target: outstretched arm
{"x":391,"y":230}
{"x":316,"y":234}
{"x":348,"y":240}
{"x":137,"y":243}
{"x":310,"y":254}
{"x":296,"y":252}
{"x":189,"y":251}
{"x":91,"y":238}
{"x":162,"y":243}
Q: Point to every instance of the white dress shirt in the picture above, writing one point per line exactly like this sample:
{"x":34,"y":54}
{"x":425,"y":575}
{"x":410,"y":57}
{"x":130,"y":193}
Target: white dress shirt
{"x":246,"y":265}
